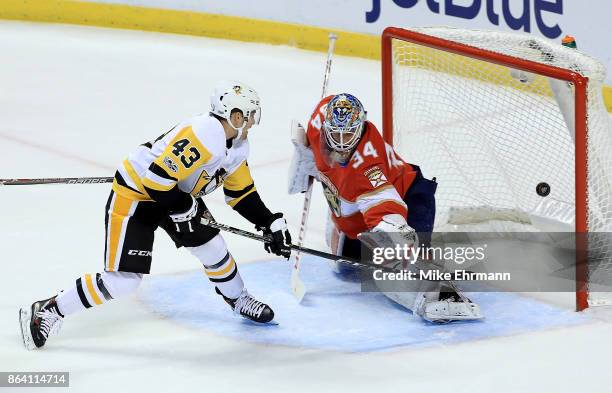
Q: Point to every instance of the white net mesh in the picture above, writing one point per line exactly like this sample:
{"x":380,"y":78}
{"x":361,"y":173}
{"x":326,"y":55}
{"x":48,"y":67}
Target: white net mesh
{"x":491,"y":134}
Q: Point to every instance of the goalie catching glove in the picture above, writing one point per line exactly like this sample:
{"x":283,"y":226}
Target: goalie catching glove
{"x":276,"y":230}
{"x":302,"y":165}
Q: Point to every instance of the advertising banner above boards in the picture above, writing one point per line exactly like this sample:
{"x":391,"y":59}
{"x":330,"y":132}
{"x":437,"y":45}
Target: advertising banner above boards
{"x":303,"y":23}
{"x":585,"y":20}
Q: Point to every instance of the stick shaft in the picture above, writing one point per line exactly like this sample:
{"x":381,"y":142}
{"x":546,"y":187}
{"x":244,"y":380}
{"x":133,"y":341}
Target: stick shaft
{"x":322,"y":254}
{"x":295,"y":247}
{"x":55,"y":180}
{"x":330,"y":52}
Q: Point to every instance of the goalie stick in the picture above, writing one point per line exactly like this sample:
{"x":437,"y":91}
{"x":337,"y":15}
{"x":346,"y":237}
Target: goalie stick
{"x":297,"y":285}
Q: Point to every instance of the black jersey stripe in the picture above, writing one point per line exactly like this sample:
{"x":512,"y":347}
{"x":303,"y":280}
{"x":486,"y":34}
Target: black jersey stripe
{"x":121,"y":182}
{"x":253,"y":209}
{"x":159,"y":171}
{"x":238,"y":193}
{"x":219,"y":264}
{"x":82,"y":296}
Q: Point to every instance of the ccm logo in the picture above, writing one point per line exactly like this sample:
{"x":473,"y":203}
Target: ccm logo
{"x":87,"y":181}
{"x":140,"y":253}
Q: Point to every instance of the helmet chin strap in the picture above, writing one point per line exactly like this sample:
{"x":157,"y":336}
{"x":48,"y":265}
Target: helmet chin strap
{"x":239,"y":134}
{"x":239,"y":130}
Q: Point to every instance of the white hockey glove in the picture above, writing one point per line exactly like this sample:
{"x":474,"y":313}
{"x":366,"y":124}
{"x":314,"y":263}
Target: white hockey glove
{"x":188,"y":220}
{"x":302,"y":163}
{"x":398,"y":231}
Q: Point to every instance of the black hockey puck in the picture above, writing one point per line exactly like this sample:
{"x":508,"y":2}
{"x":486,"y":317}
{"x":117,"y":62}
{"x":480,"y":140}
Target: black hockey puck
{"x":543,"y":189}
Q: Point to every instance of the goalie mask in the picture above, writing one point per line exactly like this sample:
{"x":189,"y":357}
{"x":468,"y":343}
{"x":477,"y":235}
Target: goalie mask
{"x":343,"y":126}
{"x":231,"y":95}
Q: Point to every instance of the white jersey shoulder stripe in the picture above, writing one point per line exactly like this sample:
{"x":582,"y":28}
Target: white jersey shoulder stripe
{"x":376,"y":197}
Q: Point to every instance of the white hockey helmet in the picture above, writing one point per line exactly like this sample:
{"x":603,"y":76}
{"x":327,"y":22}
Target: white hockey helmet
{"x":230,"y":95}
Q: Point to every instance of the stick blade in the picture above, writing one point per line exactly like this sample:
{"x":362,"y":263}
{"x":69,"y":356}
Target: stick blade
{"x":297,"y":286}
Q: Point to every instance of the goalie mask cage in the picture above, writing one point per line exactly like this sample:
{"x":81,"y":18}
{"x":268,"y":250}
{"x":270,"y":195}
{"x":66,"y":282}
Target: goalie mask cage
{"x":512,"y":126}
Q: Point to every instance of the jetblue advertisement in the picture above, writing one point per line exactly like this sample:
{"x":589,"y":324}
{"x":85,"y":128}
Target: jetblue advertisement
{"x":588,"y":21}
{"x":523,"y":15}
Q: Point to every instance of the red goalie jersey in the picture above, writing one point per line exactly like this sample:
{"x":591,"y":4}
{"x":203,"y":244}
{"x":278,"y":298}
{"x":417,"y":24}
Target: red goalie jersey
{"x":370,"y":186}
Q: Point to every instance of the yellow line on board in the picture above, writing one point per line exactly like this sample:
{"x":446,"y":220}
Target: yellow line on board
{"x":607,"y":96}
{"x":198,"y":24}
{"x":191,"y":23}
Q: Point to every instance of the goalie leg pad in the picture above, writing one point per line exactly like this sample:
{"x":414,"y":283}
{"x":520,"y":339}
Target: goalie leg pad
{"x":335,"y":241}
{"x":350,"y":248}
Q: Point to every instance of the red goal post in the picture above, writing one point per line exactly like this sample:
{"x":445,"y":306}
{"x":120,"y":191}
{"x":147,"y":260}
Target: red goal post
{"x":580,"y":83}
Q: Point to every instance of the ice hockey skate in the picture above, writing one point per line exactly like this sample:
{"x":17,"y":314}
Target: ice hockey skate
{"x":39,"y":321}
{"x":249,"y":307}
{"x":449,"y":306}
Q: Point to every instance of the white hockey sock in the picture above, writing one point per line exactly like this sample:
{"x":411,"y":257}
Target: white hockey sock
{"x":220,"y":266}
{"x":95,"y":290}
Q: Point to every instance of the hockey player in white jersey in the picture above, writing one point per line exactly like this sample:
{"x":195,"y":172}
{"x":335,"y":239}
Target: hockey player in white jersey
{"x":160,"y":184}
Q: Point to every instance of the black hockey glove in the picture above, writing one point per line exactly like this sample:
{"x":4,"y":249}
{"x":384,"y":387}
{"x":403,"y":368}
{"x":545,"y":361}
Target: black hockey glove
{"x":189,"y":220}
{"x":276,"y":228}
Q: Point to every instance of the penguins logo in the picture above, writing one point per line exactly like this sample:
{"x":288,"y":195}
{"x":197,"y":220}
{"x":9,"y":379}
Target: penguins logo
{"x":237,"y":89}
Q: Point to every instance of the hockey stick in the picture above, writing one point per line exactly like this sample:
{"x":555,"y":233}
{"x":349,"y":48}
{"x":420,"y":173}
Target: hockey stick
{"x":268,"y":238}
{"x":321,"y":254}
{"x":297,"y":285}
{"x":57,"y":180}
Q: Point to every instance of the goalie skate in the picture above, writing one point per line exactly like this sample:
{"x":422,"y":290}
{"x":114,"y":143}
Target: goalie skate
{"x":449,"y":307}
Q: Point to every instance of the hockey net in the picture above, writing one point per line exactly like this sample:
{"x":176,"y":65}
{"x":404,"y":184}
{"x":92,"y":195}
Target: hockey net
{"x":514,"y":129}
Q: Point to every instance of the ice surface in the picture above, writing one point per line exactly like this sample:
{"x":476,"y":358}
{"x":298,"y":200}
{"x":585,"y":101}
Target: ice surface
{"x":75,"y":100}
{"x":335,"y":315}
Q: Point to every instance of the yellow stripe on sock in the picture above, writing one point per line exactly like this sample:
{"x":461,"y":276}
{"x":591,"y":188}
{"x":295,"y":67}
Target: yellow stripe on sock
{"x":223,"y":272}
{"x":91,"y":290}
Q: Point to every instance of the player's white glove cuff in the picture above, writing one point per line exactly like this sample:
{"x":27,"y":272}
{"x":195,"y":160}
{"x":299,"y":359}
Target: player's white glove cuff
{"x":186,"y":215}
{"x":279,"y":224}
{"x":302,"y":167}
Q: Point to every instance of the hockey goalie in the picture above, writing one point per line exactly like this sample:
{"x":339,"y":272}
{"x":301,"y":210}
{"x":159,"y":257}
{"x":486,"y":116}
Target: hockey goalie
{"x":370,"y":189}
